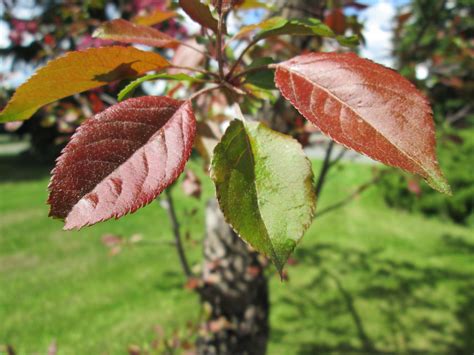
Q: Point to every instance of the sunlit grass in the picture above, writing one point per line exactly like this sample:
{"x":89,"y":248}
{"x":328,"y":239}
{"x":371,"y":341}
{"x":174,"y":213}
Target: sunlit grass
{"x":366,"y":277}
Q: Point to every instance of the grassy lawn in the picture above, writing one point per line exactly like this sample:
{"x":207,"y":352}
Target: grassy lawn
{"x":367,"y":278}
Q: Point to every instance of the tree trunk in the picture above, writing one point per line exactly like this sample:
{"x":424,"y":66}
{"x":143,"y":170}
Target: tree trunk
{"x":235,"y":292}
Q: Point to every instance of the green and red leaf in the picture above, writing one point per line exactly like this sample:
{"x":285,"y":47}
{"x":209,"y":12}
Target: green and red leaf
{"x":121,"y":159}
{"x":278,"y":26}
{"x":366,"y":107}
{"x":127,"y":32}
{"x":264,"y":188}
{"x":77,"y":72}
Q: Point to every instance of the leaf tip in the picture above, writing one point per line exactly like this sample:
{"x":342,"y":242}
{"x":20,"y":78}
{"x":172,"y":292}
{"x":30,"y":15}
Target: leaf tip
{"x":439,"y":183}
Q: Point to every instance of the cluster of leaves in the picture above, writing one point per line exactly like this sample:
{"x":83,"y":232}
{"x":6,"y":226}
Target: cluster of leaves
{"x":438,"y":40}
{"x":55,"y":27}
{"x":125,"y":156}
{"x":456,"y":154}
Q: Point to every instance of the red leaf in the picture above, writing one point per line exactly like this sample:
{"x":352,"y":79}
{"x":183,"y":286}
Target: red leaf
{"x":121,"y":159}
{"x":127,"y":32}
{"x":366,"y":107}
{"x":199,"y":13}
{"x":337,"y":21}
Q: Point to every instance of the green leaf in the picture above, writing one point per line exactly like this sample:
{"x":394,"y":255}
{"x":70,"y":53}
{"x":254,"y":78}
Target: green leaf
{"x":349,"y":41}
{"x":277,"y":26}
{"x":127,"y":91}
{"x":303,"y":27}
{"x":264,"y":188}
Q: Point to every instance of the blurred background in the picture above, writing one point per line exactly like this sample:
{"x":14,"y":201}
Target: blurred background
{"x":388,"y":269}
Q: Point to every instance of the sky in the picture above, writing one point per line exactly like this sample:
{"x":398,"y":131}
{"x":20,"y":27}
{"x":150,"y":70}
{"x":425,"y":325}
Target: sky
{"x":378,"y":20}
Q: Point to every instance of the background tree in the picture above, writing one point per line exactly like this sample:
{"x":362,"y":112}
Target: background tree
{"x":433,"y":48}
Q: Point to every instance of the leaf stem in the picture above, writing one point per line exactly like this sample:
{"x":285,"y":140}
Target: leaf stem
{"x":177,"y":233}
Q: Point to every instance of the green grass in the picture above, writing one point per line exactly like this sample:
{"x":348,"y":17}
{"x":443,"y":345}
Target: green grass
{"x":366,"y":277}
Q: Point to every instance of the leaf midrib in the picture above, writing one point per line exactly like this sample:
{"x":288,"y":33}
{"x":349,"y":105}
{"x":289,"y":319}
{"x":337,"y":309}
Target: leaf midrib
{"x":358,"y":115}
{"x":251,"y":152}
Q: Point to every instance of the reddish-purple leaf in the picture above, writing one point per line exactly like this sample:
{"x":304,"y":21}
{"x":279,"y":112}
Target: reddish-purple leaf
{"x":366,"y":107}
{"x":127,"y":32}
{"x":121,"y":159}
{"x":199,"y":13}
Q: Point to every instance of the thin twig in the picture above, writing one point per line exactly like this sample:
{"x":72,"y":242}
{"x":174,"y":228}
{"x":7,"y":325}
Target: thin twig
{"x":108,"y":99}
{"x":195,"y":49}
{"x":203,"y":91}
{"x":349,"y":198}
{"x":241,"y":56}
{"x":251,"y":70}
{"x":338,"y":158}
{"x":177,"y":233}
{"x":325,"y":168}
{"x":462,"y":113}
{"x":232,"y":88}
{"x":220,"y":27}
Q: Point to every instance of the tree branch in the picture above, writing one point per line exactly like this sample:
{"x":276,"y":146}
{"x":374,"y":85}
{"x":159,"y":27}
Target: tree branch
{"x":220,"y":27}
{"x":203,"y":91}
{"x":349,"y":198}
{"x":241,"y":57}
{"x":251,"y":70}
{"x":324,"y":169}
{"x":177,"y":233}
{"x":338,"y":158}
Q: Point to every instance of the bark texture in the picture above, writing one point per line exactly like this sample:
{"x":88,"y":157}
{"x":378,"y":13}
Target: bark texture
{"x":235,"y":292}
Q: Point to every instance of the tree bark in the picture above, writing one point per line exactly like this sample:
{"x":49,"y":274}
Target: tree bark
{"x":235,"y":292}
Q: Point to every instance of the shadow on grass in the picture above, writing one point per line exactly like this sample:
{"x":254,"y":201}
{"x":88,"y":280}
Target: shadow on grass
{"x":409,"y":313}
{"x":22,"y":167}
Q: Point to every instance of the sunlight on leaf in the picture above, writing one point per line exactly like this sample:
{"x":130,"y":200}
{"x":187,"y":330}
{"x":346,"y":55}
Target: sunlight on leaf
{"x":264,"y":188}
{"x":366,"y":107}
{"x":121,"y":159}
{"x":77,"y":72}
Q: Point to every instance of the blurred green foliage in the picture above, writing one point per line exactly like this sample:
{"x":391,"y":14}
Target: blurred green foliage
{"x":456,"y":155}
{"x":434,"y":49}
